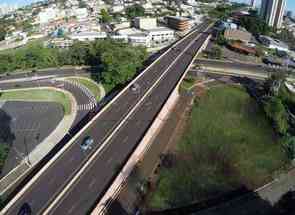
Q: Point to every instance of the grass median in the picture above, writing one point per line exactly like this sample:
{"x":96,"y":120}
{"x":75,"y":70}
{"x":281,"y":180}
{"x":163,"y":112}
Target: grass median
{"x":46,"y":95}
{"x":229,"y":144}
{"x":90,"y":85}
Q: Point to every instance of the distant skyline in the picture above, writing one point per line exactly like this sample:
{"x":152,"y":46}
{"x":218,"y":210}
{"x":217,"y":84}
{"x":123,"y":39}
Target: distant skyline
{"x":290,"y":4}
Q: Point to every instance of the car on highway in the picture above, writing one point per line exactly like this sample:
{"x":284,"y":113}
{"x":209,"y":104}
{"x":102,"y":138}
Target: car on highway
{"x":135,"y":88}
{"x":87,"y":143}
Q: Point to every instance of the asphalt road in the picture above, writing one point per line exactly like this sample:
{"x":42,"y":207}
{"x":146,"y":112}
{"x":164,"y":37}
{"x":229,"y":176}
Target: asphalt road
{"x":257,"y":68}
{"x":29,"y":123}
{"x":40,"y":74}
{"x":100,"y":174}
{"x":79,"y":95}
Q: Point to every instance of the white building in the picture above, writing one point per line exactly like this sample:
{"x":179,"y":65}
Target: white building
{"x":48,"y":15}
{"x":273,"y":43}
{"x":141,"y":39}
{"x":161,"y":35}
{"x":88,"y":36}
{"x":80,"y":13}
{"x":272,"y":11}
{"x":117,"y":8}
{"x":145,"y":23}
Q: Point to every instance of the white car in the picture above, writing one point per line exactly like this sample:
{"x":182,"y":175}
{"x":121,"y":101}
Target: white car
{"x":87,"y":143}
{"x":135,"y":87}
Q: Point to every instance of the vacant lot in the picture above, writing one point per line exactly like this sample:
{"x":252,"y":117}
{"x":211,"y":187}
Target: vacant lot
{"x":229,"y":143}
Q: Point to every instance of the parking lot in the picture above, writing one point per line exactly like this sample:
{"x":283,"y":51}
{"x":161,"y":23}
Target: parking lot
{"x":29,"y":124}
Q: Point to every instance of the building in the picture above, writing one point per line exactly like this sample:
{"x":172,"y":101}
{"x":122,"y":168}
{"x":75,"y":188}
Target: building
{"x":145,"y":23}
{"x":239,"y":47}
{"x":88,"y":36}
{"x":239,"y":35}
{"x":59,"y":43}
{"x":272,"y":11}
{"x":289,"y":14}
{"x":253,"y":3}
{"x":161,"y":35}
{"x":139,"y":39}
{"x":273,"y":43}
{"x":47,"y":15}
{"x":223,"y":25}
{"x":178,"y":23}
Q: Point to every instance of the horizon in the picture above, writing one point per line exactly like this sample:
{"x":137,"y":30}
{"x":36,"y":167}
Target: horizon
{"x":290,"y":4}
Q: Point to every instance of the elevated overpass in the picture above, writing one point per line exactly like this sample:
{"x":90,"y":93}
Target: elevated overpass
{"x":73,"y":180}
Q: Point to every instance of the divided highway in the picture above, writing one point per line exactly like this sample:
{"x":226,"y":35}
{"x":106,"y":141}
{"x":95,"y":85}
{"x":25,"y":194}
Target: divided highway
{"x":46,"y":192}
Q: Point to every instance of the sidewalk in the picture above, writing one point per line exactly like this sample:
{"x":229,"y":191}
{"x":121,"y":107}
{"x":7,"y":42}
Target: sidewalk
{"x":8,"y":181}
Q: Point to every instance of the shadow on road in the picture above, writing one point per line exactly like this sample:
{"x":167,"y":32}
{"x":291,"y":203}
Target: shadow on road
{"x":234,"y":203}
{"x":6,"y":136}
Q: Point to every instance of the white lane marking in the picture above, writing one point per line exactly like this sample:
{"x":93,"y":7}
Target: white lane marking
{"x":9,"y":205}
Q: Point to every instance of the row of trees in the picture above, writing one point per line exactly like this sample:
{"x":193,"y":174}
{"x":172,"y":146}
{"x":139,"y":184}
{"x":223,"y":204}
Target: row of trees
{"x":118,"y":61}
{"x":131,"y":12}
{"x":255,"y":24}
{"x":277,"y":107}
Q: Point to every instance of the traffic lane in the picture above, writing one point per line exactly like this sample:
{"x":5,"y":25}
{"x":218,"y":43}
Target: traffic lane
{"x":238,"y":66}
{"x":58,"y":72}
{"x":52,"y":181}
{"x":113,"y":156}
{"x":60,"y":172}
{"x":95,"y":179}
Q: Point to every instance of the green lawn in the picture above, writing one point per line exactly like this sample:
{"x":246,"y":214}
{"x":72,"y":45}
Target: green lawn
{"x":91,"y":85}
{"x":229,"y":143}
{"x":187,"y":83}
{"x":39,"y":95}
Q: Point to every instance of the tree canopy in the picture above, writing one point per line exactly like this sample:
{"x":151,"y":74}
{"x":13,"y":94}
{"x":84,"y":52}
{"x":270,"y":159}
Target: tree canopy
{"x":275,"y":110}
{"x":105,"y":16}
{"x":119,"y":60}
{"x":135,"y":10}
{"x":255,"y":25}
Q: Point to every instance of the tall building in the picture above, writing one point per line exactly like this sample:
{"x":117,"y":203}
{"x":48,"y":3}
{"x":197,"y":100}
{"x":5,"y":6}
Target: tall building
{"x":253,"y":3}
{"x":272,"y":11}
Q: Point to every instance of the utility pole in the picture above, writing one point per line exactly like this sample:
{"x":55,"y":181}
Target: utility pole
{"x":27,"y":151}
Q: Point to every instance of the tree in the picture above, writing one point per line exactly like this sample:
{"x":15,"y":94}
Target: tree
{"x":273,"y":83}
{"x":135,"y":10}
{"x":2,"y":33}
{"x":276,"y":111}
{"x":221,"y":40}
{"x":116,"y":63}
{"x":255,"y":25}
{"x":105,"y":16}
{"x":215,"y":52}
{"x":288,"y":143}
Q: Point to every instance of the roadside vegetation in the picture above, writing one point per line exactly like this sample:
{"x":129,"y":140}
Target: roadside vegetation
{"x":222,"y":11}
{"x":279,"y":105}
{"x":90,"y":85}
{"x":229,"y":144}
{"x":45,"y":95}
{"x":187,"y":83}
{"x":117,"y":61}
{"x":6,"y":138}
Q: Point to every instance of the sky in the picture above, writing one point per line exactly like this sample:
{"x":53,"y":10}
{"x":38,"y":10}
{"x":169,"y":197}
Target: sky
{"x":18,"y":2}
{"x":290,"y":3}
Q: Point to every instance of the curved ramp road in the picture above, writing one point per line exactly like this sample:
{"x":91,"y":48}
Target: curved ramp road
{"x":156,"y":83}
